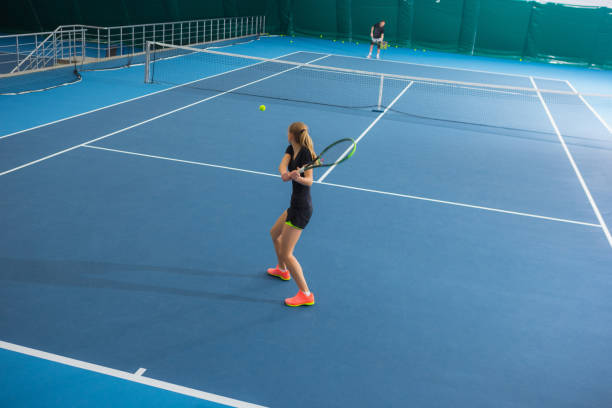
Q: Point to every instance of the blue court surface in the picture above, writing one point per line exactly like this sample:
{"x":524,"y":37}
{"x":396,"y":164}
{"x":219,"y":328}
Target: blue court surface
{"x":454,"y":264}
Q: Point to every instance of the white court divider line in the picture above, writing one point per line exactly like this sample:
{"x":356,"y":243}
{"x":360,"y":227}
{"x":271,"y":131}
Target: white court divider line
{"x":602,"y":222}
{"x":588,"y":105}
{"x":478,"y":207}
{"x":413,"y":197}
{"x":375,"y":121}
{"x":152,"y":156}
{"x":124,"y":375}
{"x":150,"y":119}
{"x":136,"y":98}
{"x":140,"y":371}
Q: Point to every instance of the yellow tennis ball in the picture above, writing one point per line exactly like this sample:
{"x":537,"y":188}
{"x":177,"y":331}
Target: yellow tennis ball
{"x":321,"y":36}
{"x":415,"y":49}
{"x":262,"y":107}
{"x":357,"y":43}
{"x":291,"y":41}
{"x":520,"y":59}
{"x":334,"y":40}
{"x":342,"y":42}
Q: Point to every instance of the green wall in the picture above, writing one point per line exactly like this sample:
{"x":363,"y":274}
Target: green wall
{"x":46,"y":15}
{"x":509,"y":28}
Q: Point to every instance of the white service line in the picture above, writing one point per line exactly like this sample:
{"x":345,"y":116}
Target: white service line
{"x":140,"y":371}
{"x":149,"y":120}
{"x":602,"y":222}
{"x":478,"y":207}
{"x":151,"y":156}
{"x":433,"y":66}
{"x":413,"y":197}
{"x":448,"y":67}
{"x":136,"y":98}
{"x":588,"y":105}
{"x":366,"y":131}
{"x":124,"y":375}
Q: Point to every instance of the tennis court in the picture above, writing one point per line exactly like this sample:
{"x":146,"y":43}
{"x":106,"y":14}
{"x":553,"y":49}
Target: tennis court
{"x":461,"y":257}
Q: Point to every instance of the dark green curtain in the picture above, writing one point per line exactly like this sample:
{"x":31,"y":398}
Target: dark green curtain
{"x":510,"y":28}
{"x":45,"y":15}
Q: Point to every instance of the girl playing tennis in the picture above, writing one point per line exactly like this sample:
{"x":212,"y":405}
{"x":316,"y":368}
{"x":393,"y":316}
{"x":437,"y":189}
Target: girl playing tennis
{"x":288,"y":227}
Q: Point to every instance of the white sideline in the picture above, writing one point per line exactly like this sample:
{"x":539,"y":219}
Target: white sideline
{"x":413,"y":197}
{"x":588,"y":105}
{"x":140,"y":371}
{"x":602,"y":222}
{"x":124,"y":375}
{"x":148,"y":120}
{"x":133,"y":99}
{"x":366,"y":131}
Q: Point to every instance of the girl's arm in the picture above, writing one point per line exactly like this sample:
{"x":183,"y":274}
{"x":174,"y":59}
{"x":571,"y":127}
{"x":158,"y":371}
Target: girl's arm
{"x":306,"y":179}
{"x":282,"y":167}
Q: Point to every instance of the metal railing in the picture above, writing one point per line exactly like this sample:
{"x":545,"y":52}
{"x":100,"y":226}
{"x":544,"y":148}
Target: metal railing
{"x":84,"y":44}
{"x":25,"y":52}
{"x":126,"y":40}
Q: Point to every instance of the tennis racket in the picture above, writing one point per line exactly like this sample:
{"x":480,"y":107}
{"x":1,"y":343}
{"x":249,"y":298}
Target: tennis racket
{"x":336,"y":153}
{"x":384,"y":45}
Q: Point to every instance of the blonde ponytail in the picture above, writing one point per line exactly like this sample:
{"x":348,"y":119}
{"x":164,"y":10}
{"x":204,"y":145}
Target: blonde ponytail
{"x":299,"y":130}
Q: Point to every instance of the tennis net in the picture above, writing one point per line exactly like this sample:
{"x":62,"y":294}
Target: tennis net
{"x":301,"y":78}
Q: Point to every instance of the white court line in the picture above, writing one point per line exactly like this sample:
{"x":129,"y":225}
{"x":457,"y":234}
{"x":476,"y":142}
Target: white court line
{"x":588,"y":105}
{"x":602,"y":222}
{"x":478,"y":207}
{"x":124,"y":375}
{"x":413,"y":197}
{"x":217,"y":166}
{"x":140,"y":371}
{"x":149,"y":120}
{"x":366,"y":131}
{"x":134,"y":99}
{"x":445,"y":67}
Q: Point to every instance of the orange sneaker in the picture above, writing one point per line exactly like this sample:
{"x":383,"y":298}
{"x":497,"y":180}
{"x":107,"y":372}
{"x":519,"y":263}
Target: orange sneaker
{"x":300,"y":300}
{"x":284,"y":275}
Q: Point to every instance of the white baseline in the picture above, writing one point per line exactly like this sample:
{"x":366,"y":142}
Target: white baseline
{"x":124,"y":375}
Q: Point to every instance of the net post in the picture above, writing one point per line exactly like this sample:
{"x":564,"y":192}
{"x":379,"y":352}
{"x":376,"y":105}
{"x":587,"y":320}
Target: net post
{"x":147,"y":61}
{"x":380,"y":94}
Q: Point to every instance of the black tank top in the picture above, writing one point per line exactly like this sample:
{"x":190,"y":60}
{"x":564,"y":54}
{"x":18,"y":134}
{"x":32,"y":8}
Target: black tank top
{"x":300,"y":197}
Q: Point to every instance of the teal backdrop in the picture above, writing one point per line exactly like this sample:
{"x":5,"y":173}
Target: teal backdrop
{"x":509,"y":28}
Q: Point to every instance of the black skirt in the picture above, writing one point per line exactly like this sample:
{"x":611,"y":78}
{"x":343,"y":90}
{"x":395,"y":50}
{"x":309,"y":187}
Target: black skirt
{"x":298,"y":217}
